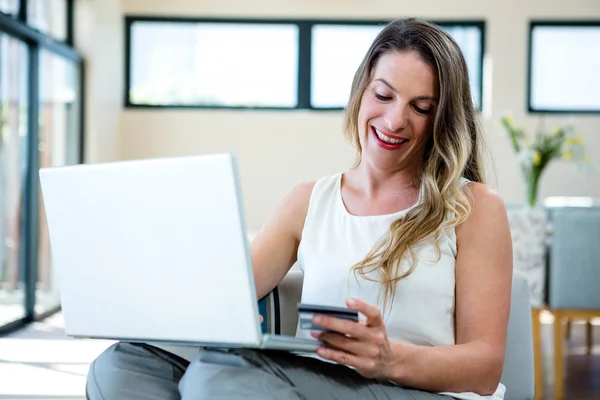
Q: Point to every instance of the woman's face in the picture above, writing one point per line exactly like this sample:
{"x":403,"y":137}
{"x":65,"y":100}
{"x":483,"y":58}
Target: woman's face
{"x":397,"y":111}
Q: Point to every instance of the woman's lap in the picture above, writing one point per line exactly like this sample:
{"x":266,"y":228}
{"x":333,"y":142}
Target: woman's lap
{"x":133,"y":371}
{"x":250,"y":375}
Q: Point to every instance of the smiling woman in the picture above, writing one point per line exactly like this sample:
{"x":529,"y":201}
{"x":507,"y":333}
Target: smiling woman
{"x":402,"y":237}
{"x":392,"y":115}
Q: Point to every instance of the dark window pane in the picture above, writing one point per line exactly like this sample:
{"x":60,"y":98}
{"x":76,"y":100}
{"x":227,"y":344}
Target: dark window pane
{"x":565,"y":68}
{"x":48,"y":16}
{"x":214,"y":64}
{"x":9,"y":6}
{"x":13,"y":160}
{"x":337,"y":51}
{"x":470,"y":41}
{"x":58,"y":145}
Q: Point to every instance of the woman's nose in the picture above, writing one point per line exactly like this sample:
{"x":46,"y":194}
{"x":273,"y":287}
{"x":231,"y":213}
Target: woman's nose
{"x":396,"y":118}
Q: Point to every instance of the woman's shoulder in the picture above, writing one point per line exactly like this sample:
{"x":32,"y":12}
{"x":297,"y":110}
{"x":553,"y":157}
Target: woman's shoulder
{"x":482,"y":195}
{"x":304,"y":190}
{"x":298,"y":198}
{"x":301,"y":192}
{"x":487,"y":209}
{"x":296,"y":204}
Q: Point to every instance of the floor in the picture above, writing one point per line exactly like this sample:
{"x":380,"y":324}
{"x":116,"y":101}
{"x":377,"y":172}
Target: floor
{"x":40,"y":362}
{"x":582,"y":374}
{"x":12,"y":303}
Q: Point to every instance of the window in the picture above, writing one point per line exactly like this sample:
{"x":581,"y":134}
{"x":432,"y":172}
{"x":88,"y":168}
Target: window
{"x":58,"y":145}
{"x":287,"y":64}
{"x":40,"y":125}
{"x":337,"y":51}
{"x":48,"y":16}
{"x":470,"y":41}
{"x":13,"y":145}
{"x":564,"y":60}
{"x":10,"y":7}
{"x":214,"y":64}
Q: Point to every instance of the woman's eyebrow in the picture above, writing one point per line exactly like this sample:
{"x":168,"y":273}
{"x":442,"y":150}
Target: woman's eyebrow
{"x":393,"y":89}
{"x":426,"y":98}
{"x":386,"y":83}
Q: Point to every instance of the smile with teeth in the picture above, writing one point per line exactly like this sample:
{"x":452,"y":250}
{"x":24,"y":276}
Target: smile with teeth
{"x":387,"y":139}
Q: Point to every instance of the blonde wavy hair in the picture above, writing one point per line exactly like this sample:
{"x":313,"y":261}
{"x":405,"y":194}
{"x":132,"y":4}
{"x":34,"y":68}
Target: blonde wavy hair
{"x":454,"y":150}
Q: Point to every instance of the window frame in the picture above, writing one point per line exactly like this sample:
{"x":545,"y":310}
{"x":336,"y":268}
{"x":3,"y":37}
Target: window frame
{"x":552,"y":23}
{"x":69,"y":19}
{"x":35,"y":41}
{"x":17,"y":11}
{"x":304,"y":56}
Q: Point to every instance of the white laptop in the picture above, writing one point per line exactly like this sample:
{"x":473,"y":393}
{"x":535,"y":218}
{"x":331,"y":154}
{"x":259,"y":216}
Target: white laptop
{"x":156,"y":251}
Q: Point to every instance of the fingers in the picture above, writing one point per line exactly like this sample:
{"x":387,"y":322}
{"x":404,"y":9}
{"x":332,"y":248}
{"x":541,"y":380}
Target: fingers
{"x":260,"y":318}
{"x":339,"y":341}
{"x":357,"y":330}
{"x":349,"y":345}
{"x":343,"y":326}
{"x":339,"y":356}
{"x":369,"y":310}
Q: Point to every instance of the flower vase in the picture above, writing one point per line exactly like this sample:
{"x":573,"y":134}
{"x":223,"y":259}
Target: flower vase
{"x":531,"y":191}
{"x":529,"y":230}
{"x":531,"y":175}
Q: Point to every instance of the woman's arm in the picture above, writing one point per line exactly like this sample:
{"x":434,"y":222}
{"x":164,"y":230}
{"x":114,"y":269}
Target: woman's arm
{"x":483,"y":288}
{"x":275,"y":247}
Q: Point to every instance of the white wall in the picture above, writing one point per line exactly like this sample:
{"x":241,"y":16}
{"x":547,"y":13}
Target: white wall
{"x":99,"y":37}
{"x":279,"y":149}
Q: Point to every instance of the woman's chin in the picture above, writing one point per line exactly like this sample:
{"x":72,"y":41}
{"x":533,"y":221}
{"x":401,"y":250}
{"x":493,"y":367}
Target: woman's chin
{"x":387,"y":162}
{"x":384,"y":163}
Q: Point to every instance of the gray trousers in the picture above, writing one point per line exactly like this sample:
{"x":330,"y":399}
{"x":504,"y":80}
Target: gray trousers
{"x":127,"y":371}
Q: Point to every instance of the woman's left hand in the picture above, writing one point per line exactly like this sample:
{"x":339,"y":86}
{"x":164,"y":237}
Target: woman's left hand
{"x":363,"y":345}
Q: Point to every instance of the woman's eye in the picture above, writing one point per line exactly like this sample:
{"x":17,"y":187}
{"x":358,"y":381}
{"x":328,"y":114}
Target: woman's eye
{"x":382,"y":98}
{"x":421,"y":110}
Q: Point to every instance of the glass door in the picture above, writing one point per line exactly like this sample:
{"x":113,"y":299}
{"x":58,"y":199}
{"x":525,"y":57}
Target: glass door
{"x":58,"y":145}
{"x":13,"y":168}
{"x":41,"y":117}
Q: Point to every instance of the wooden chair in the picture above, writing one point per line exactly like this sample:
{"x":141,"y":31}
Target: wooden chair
{"x":537,"y":352}
{"x":573,"y":277}
{"x":589,"y":334}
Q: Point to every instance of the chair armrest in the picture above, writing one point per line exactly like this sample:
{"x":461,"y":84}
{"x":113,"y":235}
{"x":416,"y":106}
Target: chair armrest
{"x":518,"y":370}
{"x":281,"y":304}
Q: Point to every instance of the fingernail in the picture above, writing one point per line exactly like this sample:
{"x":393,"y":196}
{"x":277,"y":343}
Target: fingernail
{"x":317,"y":319}
{"x":351,"y":302}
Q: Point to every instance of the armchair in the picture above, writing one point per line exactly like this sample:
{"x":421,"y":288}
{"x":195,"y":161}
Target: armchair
{"x":573,"y":278}
{"x":517,"y":375}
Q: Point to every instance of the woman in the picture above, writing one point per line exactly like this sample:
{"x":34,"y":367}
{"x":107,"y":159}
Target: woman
{"x":405,"y":237}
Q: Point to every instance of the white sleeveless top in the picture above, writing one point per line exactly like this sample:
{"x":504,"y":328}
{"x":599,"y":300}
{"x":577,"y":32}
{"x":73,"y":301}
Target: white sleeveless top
{"x":333,"y":240}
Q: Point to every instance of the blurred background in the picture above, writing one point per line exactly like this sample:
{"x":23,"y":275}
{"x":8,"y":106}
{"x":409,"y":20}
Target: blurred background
{"x":97,"y":81}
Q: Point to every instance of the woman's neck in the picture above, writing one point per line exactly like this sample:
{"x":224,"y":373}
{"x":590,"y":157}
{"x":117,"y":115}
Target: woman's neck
{"x":376,"y":183}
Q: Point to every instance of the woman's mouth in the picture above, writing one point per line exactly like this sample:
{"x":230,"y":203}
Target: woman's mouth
{"x":388,"y":142}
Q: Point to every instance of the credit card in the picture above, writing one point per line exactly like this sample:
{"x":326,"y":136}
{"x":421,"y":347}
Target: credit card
{"x":306,"y":312}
